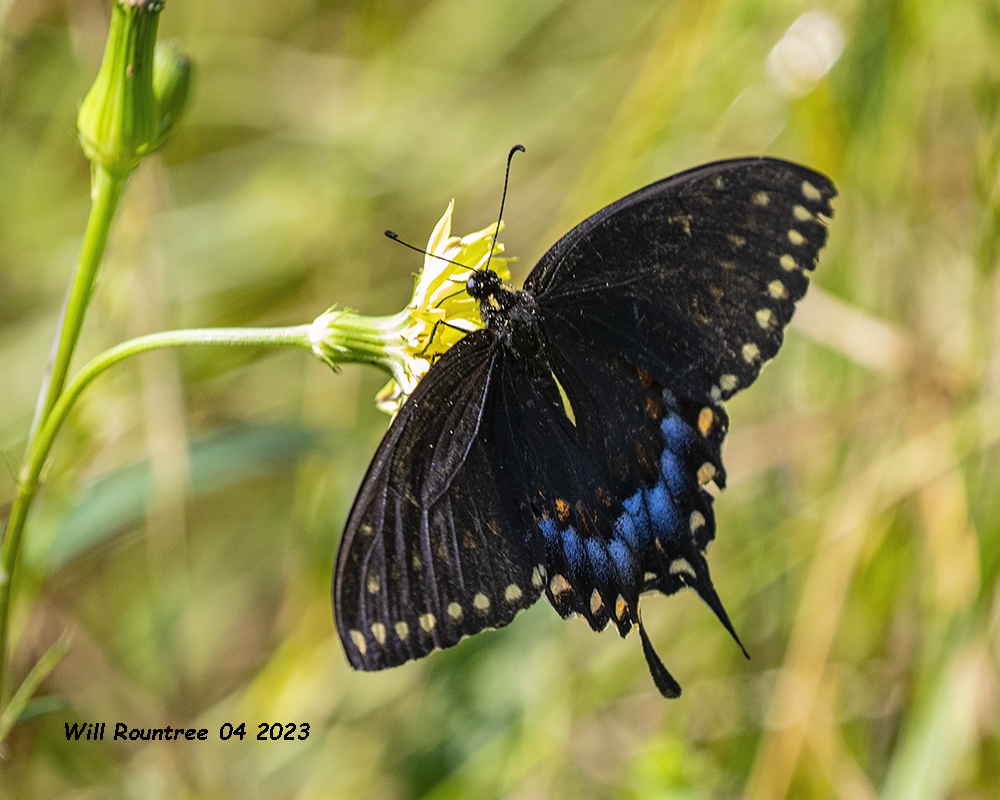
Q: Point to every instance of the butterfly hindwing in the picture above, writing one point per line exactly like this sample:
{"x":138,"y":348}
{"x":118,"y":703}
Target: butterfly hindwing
{"x":619,"y":490}
{"x":692,"y":278}
{"x":655,"y":452}
{"x":571,"y":502}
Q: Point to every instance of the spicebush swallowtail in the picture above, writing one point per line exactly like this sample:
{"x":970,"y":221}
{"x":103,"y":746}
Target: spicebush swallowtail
{"x":564,"y":447}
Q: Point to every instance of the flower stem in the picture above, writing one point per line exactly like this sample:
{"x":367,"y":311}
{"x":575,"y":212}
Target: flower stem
{"x":106,"y":191}
{"x":41,"y":442}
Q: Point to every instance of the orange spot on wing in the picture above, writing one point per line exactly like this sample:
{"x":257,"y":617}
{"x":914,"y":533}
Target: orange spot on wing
{"x":706,"y":419}
{"x":654,"y":409}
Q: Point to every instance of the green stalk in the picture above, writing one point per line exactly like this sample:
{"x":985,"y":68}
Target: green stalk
{"x":106,"y":191}
{"x":335,"y":338}
{"x":128,"y":112}
{"x":19,"y":702}
{"x":41,"y":443}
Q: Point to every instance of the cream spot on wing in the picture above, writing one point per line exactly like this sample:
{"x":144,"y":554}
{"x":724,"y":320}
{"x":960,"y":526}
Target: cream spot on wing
{"x":765,"y":318}
{"x":373,"y":582}
{"x":366,"y":529}
{"x":696,"y":521}
{"x":788,"y":263}
{"x":810,"y":192}
{"x":559,"y":586}
{"x":795,"y":237}
{"x":682,"y":565}
{"x":726,"y":263}
{"x":802,"y":213}
{"x":455,"y":611}
{"x":359,"y":641}
{"x":728,"y":382}
{"x":427,"y":622}
{"x":719,"y":183}
{"x":650,"y":576}
{"x":684,"y":220}
{"x":705,"y":473}
{"x":750,"y":352}
{"x":481,"y":602}
{"x":537,"y":576}
{"x":378,"y":631}
{"x":760,"y":199}
{"x":512,"y":593}
{"x":777,"y":290}
{"x":736,"y":240}
{"x":402,"y":630}
{"x":715,"y":393}
{"x":596,"y":603}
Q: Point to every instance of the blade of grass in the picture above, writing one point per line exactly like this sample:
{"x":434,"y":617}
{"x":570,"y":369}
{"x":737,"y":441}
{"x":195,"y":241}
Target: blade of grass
{"x":18,"y":703}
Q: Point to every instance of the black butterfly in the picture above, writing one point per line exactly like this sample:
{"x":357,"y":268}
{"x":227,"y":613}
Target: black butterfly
{"x":563,"y":448}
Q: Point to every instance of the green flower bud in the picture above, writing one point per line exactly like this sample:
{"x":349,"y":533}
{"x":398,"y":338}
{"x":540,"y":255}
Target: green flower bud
{"x":125,"y":115}
{"x":171,"y":83}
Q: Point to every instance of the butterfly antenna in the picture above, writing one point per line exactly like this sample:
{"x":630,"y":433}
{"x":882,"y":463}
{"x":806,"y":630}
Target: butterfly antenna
{"x":395,"y":237}
{"x":503,"y":199}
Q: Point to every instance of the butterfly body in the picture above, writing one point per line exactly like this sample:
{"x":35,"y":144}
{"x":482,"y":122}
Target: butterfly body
{"x":564,"y":448}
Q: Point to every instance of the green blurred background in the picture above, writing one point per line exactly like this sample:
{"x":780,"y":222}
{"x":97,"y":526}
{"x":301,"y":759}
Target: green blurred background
{"x":187,"y":529}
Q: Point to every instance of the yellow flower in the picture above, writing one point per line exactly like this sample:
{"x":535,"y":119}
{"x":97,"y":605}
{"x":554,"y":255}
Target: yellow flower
{"x":440,"y":313}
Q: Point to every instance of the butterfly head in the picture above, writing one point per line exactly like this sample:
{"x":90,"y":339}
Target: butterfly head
{"x":483,"y":283}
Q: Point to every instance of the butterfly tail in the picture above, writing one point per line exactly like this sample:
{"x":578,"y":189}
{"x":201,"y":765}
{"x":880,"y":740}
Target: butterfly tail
{"x":664,"y":681}
{"x":701,"y":582}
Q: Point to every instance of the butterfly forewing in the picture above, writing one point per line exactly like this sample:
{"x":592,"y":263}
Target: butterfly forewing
{"x":438,"y":536}
{"x":692,"y":278}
